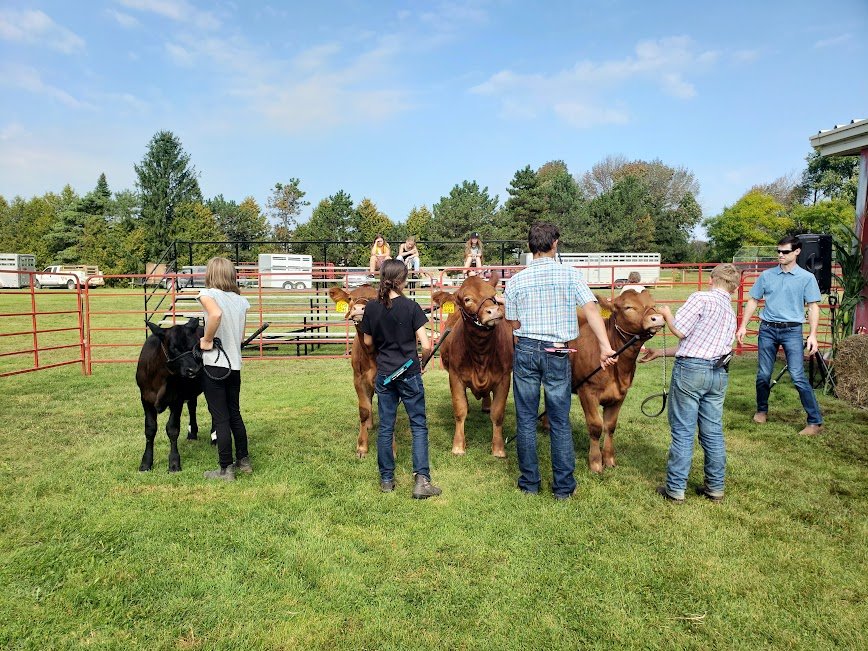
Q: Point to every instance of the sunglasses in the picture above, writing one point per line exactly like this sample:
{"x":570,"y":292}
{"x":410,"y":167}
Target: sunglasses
{"x":783,"y":252}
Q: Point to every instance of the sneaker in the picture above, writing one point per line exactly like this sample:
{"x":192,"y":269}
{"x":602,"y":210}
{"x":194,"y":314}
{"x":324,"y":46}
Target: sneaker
{"x":423,"y":489}
{"x":703,"y":492}
{"x":387,"y":485}
{"x":661,"y":490}
{"x":243,"y":465}
{"x":760,"y":417}
{"x":226,"y":474}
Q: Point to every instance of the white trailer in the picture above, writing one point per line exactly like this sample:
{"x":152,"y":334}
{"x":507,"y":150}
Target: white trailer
{"x":286,"y":270}
{"x":607,"y":269}
{"x":11,"y":264}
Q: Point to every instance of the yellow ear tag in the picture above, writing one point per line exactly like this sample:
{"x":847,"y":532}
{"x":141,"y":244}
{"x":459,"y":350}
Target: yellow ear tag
{"x":448,"y":308}
{"x":342,"y":306}
{"x":605,"y":312}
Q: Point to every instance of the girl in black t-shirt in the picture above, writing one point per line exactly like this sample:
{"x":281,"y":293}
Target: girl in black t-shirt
{"x":392,"y":325}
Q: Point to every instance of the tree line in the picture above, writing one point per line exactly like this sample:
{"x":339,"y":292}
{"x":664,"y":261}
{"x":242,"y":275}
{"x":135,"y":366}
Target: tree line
{"x":617,"y":205}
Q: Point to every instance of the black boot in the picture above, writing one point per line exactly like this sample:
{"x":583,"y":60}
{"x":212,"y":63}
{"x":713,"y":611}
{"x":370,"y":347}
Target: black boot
{"x":423,"y":489}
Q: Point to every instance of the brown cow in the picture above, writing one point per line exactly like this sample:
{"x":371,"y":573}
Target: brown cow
{"x":362,"y":359}
{"x":478,"y":355}
{"x":632,"y":314}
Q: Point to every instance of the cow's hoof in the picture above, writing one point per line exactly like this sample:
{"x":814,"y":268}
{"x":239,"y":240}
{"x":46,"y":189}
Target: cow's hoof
{"x":486,"y":410}
{"x":361,"y":454}
{"x":174,"y":467}
{"x":596,"y":468}
{"x":144,"y":468}
{"x":609,"y":463}
{"x":500,"y":454}
{"x":192,"y":437}
{"x":458,"y":451}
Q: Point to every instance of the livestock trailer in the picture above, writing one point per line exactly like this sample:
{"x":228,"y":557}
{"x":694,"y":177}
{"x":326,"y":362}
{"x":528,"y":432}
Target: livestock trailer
{"x":286,"y":270}
{"x":11,"y":264}
{"x":604,"y":269}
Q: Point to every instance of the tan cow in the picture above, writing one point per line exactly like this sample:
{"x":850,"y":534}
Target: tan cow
{"x":362,"y":359}
{"x":632,"y":314}
{"x":478,"y":355}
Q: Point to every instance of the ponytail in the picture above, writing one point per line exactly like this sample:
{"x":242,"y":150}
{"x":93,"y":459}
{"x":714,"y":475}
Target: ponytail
{"x":393,"y":274}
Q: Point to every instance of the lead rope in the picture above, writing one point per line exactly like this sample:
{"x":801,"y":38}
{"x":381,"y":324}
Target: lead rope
{"x":219,"y":346}
{"x":665,"y":388}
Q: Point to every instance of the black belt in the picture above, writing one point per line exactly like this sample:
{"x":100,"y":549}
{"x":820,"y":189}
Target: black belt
{"x":783,"y":324}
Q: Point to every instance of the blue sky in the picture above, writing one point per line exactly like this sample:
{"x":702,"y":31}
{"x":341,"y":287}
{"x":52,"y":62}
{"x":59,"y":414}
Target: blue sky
{"x":399,"y":101}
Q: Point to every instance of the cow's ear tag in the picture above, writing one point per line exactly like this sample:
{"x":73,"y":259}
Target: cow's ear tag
{"x":605,"y":312}
{"x":342,"y":306}
{"x":448,"y":308}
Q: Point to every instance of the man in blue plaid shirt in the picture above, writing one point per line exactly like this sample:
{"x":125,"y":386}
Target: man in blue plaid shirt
{"x":544,"y":298}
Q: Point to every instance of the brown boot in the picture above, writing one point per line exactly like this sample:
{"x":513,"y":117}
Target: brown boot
{"x":760,"y":417}
{"x":812,"y":430}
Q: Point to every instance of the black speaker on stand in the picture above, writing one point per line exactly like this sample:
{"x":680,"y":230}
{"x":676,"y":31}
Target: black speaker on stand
{"x":816,"y":257}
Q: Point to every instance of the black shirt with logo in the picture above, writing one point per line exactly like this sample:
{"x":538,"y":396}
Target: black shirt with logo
{"x":394,"y":332}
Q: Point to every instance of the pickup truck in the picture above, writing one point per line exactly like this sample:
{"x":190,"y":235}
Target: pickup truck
{"x":68,"y":276}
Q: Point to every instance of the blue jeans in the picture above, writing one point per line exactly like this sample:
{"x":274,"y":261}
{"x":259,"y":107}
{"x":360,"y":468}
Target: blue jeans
{"x":411,"y":391}
{"x":767,"y":350}
{"x":696,"y":399}
{"x":532,"y":368}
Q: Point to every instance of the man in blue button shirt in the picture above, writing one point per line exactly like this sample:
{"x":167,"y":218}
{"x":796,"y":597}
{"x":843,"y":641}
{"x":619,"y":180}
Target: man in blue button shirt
{"x":787,"y":288}
{"x":544,"y":298}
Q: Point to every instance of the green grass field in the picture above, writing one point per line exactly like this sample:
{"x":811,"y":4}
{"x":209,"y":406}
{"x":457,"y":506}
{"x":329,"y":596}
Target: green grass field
{"x":307,"y":553}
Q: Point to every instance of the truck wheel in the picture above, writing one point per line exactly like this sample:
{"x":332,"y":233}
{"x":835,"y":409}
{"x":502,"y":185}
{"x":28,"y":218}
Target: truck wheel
{"x":70,"y":284}
{"x":37,"y":284}
{"x":287,"y":285}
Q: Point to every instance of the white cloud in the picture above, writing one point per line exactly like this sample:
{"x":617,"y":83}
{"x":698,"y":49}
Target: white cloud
{"x":180,"y":55}
{"x":124,"y":20}
{"x":320,"y":87}
{"x":580,"y":95}
{"x":29,"y":79}
{"x":833,"y":41}
{"x":12,"y":131}
{"x":35,"y":27}
{"x":180,"y":11}
{"x":584,"y":116}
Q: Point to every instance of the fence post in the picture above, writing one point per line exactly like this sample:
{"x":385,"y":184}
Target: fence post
{"x":739,"y":310}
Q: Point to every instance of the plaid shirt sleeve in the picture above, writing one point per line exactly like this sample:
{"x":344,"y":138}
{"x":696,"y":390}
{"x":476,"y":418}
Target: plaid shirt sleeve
{"x":689,"y":314}
{"x":509,"y":295}
{"x":584,"y":295}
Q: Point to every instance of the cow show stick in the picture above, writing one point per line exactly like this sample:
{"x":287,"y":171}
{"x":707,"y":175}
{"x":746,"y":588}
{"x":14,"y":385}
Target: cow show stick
{"x":247,"y":341}
{"x":437,"y":347}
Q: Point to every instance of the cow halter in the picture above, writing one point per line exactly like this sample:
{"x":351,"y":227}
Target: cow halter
{"x":626,"y":334}
{"x":348,"y":317}
{"x":172,"y":360}
{"x":475,"y":320}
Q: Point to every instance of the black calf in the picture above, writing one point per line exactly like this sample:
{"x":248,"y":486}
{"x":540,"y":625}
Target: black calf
{"x":169,"y":374}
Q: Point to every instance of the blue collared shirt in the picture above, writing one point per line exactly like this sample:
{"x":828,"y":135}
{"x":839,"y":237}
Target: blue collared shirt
{"x":544,"y":297}
{"x":786,"y":293}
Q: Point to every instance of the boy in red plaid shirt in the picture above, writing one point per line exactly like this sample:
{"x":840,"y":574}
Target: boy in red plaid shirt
{"x":705,"y":326}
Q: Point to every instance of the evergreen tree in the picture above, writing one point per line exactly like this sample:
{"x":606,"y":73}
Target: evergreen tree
{"x":419,"y":223}
{"x":332,"y":220}
{"x":526,"y":205}
{"x":165,"y":179}
{"x":101,"y":191}
{"x":465,"y":210}
{"x":369,"y":222}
